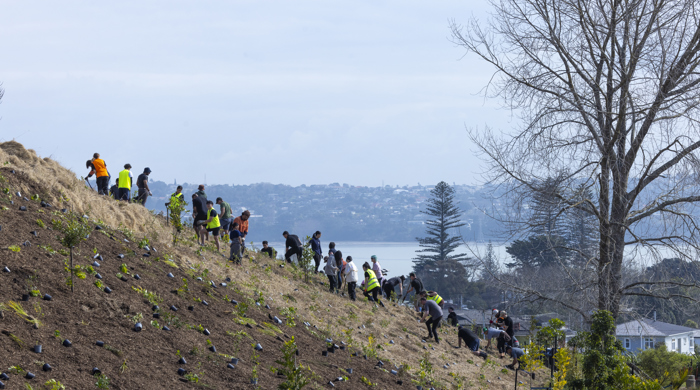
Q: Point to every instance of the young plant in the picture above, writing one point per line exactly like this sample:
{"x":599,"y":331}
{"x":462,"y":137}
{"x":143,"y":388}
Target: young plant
{"x":102,"y":381}
{"x":73,"y":230}
{"x":296,"y":375}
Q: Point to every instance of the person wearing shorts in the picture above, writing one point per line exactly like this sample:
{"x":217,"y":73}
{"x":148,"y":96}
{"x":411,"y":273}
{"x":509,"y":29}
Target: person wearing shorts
{"x":213,"y":224}
{"x":199,"y":214}
{"x":471,"y":341}
{"x":224,"y":215}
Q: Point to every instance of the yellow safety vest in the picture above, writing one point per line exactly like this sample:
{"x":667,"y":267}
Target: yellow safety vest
{"x":372,"y":281}
{"x":214,"y":222}
{"x":176,"y":197}
{"x":436,"y":298}
{"x":124,"y":179}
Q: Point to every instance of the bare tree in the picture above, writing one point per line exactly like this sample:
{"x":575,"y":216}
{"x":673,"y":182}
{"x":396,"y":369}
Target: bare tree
{"x":607,"y":92}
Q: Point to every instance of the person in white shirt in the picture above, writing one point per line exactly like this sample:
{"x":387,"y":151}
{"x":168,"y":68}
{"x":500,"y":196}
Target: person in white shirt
{"x":350,"y":277}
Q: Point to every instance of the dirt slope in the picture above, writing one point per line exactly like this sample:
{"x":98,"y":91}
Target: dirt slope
{"x":149,"y":359}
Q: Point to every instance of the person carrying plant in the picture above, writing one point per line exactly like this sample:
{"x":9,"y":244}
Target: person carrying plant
{"x":315,"y":243}
{"x":213,"y":224}
{"x":471,"y":341}
{"x":430,"y":308}
{"x":331,"y":270}
{"x":371,"y":284}
{"x":99,"y":169}
{"x":350,"y":277}
{"x":236,"y":244}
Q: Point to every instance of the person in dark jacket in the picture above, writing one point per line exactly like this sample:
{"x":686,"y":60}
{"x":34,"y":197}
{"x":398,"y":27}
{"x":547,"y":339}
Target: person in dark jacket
{"x":293,"y":246}
{"x":316,"y":247}
{"x":268,"y":250}
{"x":331,"y":270}
{"x":471,"y":341}
{"x":114,"y":190}
{"x":417,"y":287}
{"x":390,"y":285}
{"x":452,"y":317}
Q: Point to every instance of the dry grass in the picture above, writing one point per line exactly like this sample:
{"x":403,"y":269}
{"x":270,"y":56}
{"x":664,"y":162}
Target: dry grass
{"x":64,"y":189}
{"x":335,"y":316}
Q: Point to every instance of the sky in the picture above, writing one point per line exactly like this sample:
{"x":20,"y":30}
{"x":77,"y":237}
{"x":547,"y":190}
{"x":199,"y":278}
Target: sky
{"x":239,"y":92}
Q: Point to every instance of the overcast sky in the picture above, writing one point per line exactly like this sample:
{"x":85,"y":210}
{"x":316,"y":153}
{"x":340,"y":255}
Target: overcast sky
{"x":292,"y":92}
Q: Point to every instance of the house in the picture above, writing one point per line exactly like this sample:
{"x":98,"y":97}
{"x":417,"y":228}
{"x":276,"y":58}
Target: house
{"x":645,"y":333}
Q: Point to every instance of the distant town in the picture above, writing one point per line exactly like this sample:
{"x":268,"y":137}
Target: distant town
{"x":355,"y":213}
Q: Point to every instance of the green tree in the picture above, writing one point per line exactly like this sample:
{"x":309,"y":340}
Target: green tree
{"x":444,"y":216}
{"x":663,"y":365}
{"x":536,"y":252}
{"x":691,"y":324}
{"x":604,"y":366}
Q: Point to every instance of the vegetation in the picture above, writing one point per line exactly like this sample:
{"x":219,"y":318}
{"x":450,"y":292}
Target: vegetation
{"x":73,"y":230}
{"x":296,"y":375}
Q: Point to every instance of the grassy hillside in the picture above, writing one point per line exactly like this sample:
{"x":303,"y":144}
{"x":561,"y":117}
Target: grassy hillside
{"x":230,"y":308}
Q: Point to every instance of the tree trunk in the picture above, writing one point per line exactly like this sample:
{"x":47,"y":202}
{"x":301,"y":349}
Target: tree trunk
{"x":71,"y":269}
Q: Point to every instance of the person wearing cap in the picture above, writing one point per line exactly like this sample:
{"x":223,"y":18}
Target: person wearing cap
{"x":377,"y":269}
{"x":225,"y":214}
{"x":471,"y":341}
{"x":142,"y":184}
{"x":125,"y":178}
{"x":430,"y":308}
{"x":506,"y":323}
{"x":389,"y":286}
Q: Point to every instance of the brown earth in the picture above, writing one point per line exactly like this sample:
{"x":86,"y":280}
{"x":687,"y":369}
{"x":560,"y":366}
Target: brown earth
{"x":149,"y":359}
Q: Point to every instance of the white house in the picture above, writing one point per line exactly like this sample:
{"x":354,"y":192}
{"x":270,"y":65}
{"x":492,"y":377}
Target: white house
{"x":639,"y":335}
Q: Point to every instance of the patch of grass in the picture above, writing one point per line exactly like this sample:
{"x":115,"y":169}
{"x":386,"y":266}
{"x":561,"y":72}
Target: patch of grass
{"x":115,"y":351}
{"x":152,"y":297}
{"x":41,"y":223}
{"x":19,"y":310}
{"x":14,"y":248}
{"x":270,"y":330}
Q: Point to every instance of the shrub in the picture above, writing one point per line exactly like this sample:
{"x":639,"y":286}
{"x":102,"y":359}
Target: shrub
{"x":663,"y":365}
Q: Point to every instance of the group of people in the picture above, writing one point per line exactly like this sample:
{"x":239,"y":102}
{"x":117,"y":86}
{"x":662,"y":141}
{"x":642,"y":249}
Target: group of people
{"x":121,"y":190}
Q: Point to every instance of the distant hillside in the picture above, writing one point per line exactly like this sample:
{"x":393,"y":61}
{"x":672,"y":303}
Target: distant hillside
{"x":343,"y":211}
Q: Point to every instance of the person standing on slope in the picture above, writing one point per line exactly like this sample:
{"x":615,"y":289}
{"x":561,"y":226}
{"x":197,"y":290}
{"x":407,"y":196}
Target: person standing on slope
{"x":331,"y":271}
{"x":225,"y":215}
{"x":236,"y":242}
{"x":435,"y":312}
{"x":371,"y":284}
{"x":199,"y":214}
{"x":315,"y":243}
{"x":242,"y":221}
{"x":292,"y":245}
{"x":350,"y":277}
{"x":125,"y":183}
{"x":417,"y":287}
{"x":142,"y":184}
{"x":213,"y":223}
{"x":99,"y":169}
{"x":377,"y":270}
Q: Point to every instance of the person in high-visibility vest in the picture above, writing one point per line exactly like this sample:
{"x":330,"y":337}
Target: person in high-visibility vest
{"x":213,"y":224}
{"x":433,"y":296}
{"x":176,"y":196}
{"x":371,"y":284}
{"x":125,"y":183}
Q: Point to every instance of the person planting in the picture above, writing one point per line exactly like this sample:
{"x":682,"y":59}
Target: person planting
{"x":433,"y":296}
{"x":501,"y":338}
{"x":390,"y":285}
{"x":371,"y":284}
{"x":517,"y":354}
{"x":430,"y":308}
{"x":471,"y":341}
{"x":417,"y":287}
{"x":292,"y":245}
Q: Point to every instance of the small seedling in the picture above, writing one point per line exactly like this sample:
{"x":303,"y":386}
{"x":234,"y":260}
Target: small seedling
{"x":102,"y":381}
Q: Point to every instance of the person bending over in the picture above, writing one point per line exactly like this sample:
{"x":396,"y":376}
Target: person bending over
{"x":430,"y":308}
{"x":371,"y":284}
{"x":292,"y":245}
{"x":471,"y":341}
{"x":390,"y":285}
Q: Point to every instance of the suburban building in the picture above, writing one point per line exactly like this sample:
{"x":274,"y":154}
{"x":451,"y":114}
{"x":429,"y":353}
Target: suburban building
{"x":643,"y":334}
